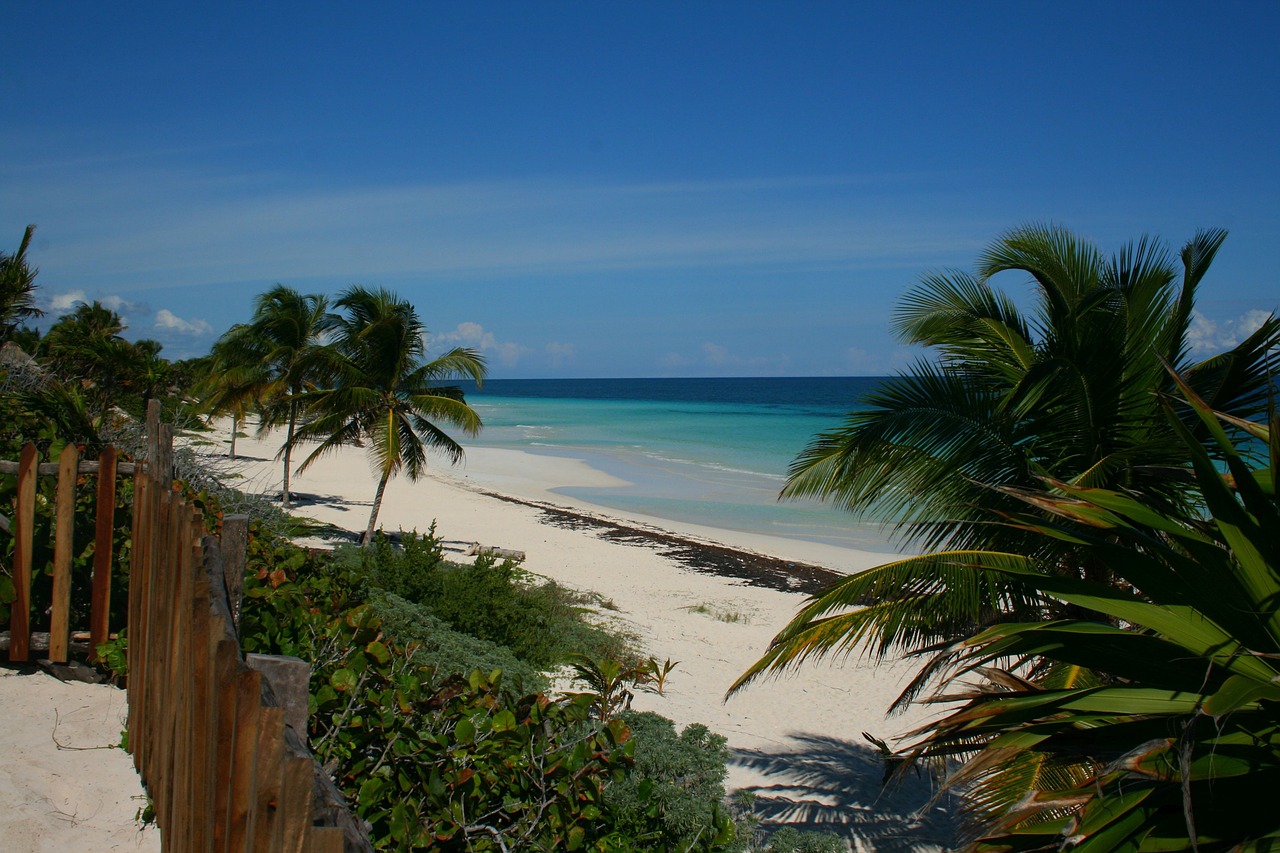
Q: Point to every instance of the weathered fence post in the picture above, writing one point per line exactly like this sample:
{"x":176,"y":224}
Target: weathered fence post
{"x":64,"y":544}
{"x":235,"y":547}
{"x":24,"y":521}
{"x":103,"y":540}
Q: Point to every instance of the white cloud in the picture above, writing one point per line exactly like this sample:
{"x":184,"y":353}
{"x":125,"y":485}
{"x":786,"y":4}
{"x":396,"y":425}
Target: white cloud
{"x":1208,"y":337}
{"x":715,"y":353}
{"x":560,"y":353}
{"x":167,"y":320}
{"x":475,"y":336}
{"x":61,"y":303}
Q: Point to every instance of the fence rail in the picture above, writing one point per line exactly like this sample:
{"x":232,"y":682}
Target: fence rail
{"x":208,"y":732}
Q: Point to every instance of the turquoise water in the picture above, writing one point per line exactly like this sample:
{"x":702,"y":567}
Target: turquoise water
{"x":712,"y":452}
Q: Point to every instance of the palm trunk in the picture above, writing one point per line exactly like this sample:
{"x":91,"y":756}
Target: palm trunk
{"x":288,"y":453}
{"x":377,"y":505}
{"x":235,"y":428}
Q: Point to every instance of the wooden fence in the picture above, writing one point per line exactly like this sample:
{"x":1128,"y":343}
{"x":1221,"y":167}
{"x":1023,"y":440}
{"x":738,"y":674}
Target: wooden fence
{"x":208,"y":731}
{"x":67,"y":469}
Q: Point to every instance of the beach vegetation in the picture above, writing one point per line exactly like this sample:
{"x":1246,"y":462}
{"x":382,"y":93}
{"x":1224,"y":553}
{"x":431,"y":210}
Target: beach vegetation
{"x":1150,"y":721}
{"x":673,"y":799}
{"x":385,"y":395}
{"x":1095,"y":598}
{"x":438,"y":746}
{"x":541,"y":623}
{"x":1069,"y":392}
{"x":17,"y":288}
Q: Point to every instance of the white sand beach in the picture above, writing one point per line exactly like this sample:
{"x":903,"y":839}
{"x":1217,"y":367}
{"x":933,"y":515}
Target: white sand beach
{"x":797,"y":740}
{"x":64,"y":782}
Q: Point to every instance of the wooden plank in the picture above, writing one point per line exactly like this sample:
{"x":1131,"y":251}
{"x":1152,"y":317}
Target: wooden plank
{"x":243,"y":769}
{"x":226,"y":664}
{"x":235,"y":550}
{"x":64,"y":536}
{"x":24,"y":521}
{"x":139,"y":571}
{"x":204,"y":728}
{"x":326,"y":839}
{"x":270,"y":778}
{"x":295,"y":802}
{"x":103,"y":545}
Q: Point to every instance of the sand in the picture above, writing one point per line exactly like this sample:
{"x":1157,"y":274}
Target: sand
{"x":796,"y":741}
{"x":710,"y":599}
{"x":64,"y":783}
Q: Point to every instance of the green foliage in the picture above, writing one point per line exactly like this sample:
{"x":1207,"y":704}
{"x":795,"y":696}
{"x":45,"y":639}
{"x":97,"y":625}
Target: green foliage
{"x":17,"y":287}
{"x":672,"y":799}
{"x":437,"y":645}
{"x":384,"y":395}
{"x":83,"y":543}
{"x":113,"y":656}
{"x":1172,"y":741}
{"x":607,"y":680}
{"x":1067,"y":389}
{"x":791,"y":840}
{"x":492,"y":600}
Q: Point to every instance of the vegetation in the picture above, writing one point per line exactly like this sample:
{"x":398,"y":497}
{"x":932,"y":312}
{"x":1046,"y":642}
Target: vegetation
{"x":17,"y":288}
{"x":1069,"y":393}
{"x":1169,"y":736}
{"x":385,"y":395}
{"x":270,"y":362}
{"x":1112,"y":592}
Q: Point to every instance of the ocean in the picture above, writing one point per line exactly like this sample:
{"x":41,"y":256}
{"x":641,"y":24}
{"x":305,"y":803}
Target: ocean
{"x":711,"y":452}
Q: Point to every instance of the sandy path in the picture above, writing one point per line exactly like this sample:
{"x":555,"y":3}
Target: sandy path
{"x":63,"y":784}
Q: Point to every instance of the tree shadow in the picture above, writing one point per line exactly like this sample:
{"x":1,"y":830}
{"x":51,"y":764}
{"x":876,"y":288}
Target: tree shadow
{"x":831,"y":785}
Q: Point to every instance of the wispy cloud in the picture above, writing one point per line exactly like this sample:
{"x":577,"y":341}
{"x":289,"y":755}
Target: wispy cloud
{"x":163,"y":228}
{"x":475,"y":336}
{"x":170,"y":322}
{"x":1208,"y":337}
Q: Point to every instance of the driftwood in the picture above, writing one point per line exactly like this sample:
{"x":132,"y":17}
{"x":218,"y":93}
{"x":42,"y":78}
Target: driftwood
{"x":477,"y":550}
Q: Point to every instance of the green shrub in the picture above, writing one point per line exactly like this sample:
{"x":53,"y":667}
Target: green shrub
{"x":672,"y":797}
{"x":791,"y":840}
{"x":541,"y":623}
{"x":437,"y":645}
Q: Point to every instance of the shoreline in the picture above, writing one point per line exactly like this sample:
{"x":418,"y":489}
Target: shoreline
{"x":707,"y":598}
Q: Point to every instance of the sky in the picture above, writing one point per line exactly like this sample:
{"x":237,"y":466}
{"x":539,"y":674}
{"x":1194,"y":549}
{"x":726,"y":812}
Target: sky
{"x":626,"y":189}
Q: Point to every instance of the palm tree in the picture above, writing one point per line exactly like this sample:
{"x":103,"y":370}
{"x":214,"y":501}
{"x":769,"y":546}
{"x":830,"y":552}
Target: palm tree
{"x":87,"y":347}
{"x":228,"y":387}
{"x":386,"y":396}
{"x":1067,"y":392}
{"x":1173,"y":740}
{"x":17,"y":288}
{"x":275,"y":359}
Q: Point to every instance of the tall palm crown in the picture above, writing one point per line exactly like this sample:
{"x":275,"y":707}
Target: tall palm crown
{"x":1068,"y":390}
{"x":1067,"y":394}
{"x":272,"y":360}
{"x":385,"y":395}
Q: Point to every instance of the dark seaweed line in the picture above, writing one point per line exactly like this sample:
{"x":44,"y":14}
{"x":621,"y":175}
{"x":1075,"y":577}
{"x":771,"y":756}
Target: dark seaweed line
{"x":755,"y":569}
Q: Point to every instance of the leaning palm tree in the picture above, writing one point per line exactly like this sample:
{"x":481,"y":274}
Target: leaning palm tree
{"x":1067,"y":392}
{"x":17,"y":288}
{"x":274,"y":359}
{"x":385,"y":395}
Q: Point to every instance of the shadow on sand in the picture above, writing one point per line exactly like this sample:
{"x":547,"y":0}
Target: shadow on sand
{"x":833,"y":785}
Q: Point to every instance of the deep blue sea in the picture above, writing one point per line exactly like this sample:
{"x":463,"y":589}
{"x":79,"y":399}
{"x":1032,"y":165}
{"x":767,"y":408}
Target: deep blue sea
{"x":712,"y":452}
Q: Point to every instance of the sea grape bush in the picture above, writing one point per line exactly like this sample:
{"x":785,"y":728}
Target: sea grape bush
{"x":434,"y":760}
{"x":540,"y":622}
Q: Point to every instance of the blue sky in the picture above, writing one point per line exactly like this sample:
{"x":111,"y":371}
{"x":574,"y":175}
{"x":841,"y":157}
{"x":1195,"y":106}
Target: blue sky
{"x":640,"y":189}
